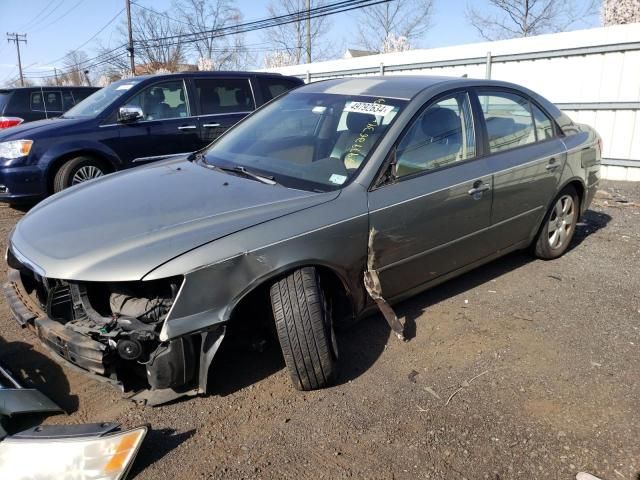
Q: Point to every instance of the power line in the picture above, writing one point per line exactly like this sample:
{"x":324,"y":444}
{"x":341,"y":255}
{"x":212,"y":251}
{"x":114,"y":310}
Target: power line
{"x":317,"y":12}
{"x":38,"y":18}
{"x":75,"y":5}
{"x":170,"y":40}
{"x":92,"y":37}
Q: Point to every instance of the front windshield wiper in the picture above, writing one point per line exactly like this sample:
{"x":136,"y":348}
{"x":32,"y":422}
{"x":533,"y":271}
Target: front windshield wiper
{"x":239,"y":169}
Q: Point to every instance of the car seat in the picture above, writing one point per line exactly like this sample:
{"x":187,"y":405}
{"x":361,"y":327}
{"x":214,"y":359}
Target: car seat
{"x":436,"y":141}
{"x":356,"y":124}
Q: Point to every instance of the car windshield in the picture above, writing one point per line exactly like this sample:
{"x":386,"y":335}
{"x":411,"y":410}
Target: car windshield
{"x":95,"y":103}
{"x":311,"y":141}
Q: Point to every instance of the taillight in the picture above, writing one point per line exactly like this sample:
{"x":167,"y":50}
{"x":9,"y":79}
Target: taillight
{"x":6,"y":122}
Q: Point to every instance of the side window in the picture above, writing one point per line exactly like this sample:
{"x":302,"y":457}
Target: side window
{"x":81,"y":94}
{"x":161,"y":101}
{"x":441,"y":135}
{"x":508,"y":119}
{"x":544,"y":125}
{"x":273,"y":87}
{"x":53,"y":101}
{"x":37,"y":102}
{"x":224,"y":95}
{"x":67,"y":100}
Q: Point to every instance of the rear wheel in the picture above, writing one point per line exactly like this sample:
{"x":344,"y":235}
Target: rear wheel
{"x":77,"y":170}
{"x":305,"y":329}
{"x":559,"y":225}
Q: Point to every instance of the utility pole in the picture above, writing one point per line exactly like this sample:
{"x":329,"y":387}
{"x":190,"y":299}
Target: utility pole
{"x":308,"y":31}
{"x":55,"y":74}
{"x":17,"y":38}
{"x":130,"y":49}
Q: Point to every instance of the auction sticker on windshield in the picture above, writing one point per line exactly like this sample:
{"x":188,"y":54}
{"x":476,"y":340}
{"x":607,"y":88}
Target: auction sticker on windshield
{"x":370,"y":108}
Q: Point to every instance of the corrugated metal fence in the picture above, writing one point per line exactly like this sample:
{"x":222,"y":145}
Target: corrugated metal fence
{"x":593,"y":75}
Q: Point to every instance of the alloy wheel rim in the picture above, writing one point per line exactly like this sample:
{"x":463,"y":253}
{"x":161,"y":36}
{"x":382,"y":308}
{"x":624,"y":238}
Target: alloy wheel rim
{"x":88,"y":172}
{"x":561,"y":221}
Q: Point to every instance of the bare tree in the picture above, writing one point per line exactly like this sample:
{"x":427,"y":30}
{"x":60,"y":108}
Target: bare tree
{"x":196,"y":16}
{"x":291,"y":38}
{"x":523,"y":18}
{"x":278,"y":59}
{"x":617,"y":12}
{"x":158,"y":46}
{"x":153,"y":49}
{"x":401,"y":18}
{"x":75,"y":63}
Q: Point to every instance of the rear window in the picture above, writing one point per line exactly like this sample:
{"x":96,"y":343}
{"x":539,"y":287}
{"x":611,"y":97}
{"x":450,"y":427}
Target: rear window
{"x":47,"y":101}
{"x":4,"y":99}
{"x":81,"y":93}
{"x":224,"y":95}
{"x":274,"y":87}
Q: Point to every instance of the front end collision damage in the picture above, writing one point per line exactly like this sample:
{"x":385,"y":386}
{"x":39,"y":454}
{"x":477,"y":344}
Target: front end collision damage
{"x":169,"y":340}
{"x":112,"y":330}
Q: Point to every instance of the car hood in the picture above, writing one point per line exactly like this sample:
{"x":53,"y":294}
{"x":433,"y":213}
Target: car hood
{"x":124,"y":225}
{"x":30,"y":130}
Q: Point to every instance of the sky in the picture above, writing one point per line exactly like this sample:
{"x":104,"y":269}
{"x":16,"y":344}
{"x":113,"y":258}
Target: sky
{"x":54,"y":27}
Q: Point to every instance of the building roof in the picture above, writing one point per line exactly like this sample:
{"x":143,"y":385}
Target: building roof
{"x":352,"y":52}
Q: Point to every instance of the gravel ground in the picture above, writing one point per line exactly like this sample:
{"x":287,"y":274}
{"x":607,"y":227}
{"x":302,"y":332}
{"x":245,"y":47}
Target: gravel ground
{"x":520,"y":369}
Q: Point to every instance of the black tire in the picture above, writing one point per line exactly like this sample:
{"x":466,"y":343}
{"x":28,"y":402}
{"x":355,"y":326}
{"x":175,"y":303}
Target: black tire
{"x":548,"y":247}
{"x":65,"y":174}
{"x":305,"y":330}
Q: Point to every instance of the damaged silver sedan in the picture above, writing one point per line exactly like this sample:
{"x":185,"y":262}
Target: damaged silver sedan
{"x":336,"y":199}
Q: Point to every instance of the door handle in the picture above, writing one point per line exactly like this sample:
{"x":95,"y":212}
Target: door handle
{"x":478,"y":188}
{"x":187,"y":127}
{"x":211,"y":125}
{"x":552,"y":165}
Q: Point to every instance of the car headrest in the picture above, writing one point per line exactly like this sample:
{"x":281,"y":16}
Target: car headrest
{"x":242,"y":98}
{"x":357,"y":122}
{"x":209,"y":97}
{"x":440,"y":123}
{"x":158,"y":94}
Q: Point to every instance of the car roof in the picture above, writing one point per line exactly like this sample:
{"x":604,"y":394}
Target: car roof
{"x":218,"y":73}
{"x":48,"y":87}
{"x":403,"y":87}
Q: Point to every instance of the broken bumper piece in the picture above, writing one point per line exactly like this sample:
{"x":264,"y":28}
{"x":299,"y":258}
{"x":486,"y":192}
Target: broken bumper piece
{"x":124,"y":351}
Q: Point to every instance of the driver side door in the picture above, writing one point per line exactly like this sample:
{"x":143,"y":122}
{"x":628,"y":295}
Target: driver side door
{"x":433,"y":218}
{"x":166,"y":129}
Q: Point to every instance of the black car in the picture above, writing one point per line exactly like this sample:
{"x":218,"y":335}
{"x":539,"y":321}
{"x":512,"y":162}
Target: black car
{"x":26,"y":104}
{"x":130,"y":122}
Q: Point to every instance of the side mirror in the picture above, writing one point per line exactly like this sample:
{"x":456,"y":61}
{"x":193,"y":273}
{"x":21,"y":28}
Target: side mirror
{"x":130,"y":114}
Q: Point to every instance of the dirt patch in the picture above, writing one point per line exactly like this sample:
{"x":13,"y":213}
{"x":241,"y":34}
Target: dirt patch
{"x":559,"y":342}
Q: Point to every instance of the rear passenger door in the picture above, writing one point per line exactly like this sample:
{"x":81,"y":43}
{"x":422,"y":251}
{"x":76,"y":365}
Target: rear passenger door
{"x":433,"y":219}
{"x":527,"y":157}
{"x":222,"y":102}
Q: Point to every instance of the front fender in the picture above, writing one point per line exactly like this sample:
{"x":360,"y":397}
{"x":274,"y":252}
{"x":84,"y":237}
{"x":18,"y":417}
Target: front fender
{"x":332,"y":235}
{"x":81,"y":147}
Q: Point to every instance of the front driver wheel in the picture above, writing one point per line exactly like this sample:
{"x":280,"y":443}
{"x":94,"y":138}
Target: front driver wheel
{"x":75,"y":171}
{"x":559,"y":225}
{"x":305,"y":329}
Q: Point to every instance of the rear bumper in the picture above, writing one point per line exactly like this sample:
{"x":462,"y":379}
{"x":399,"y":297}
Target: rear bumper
{"x":75,"y":348}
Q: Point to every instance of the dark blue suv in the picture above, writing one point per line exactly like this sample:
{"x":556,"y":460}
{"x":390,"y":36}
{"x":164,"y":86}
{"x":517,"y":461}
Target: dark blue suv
{"x":129,"y":123}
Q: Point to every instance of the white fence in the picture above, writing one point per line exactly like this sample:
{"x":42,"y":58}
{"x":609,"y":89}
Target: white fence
{"x":593,"y":75}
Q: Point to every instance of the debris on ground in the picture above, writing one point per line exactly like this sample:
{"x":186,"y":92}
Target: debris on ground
{"x":586,"y":476}
{"x":464,"y":385}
